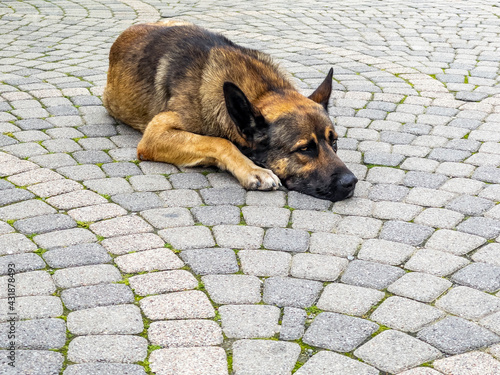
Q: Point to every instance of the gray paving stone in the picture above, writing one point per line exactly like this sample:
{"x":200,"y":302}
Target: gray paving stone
{"x":487,"y":173}
{"x":211,"y":261}
{"x":109,"y":186}
{"x":252,"y":357}
{"x":266,"y":216}
{"x":14,"y":195}
{"x":326,"y":362}
{"x":435,"y":262}
{"x":301,"y":201}
{"x":334,"y":244}
{"x":469,"y":363}
{"x":134,"y":242}
{"x":488,"y":254}
{"x":86,"y":297}
{"x":15,"y":243}
{"x":314,"y":221}
{"x":286,"y":291}
{"x":97,"y":212}
{"x":185,"y":333}
{"x":419,"y":286}
{"x":382,"y":158}
{"x":168,"y":217}
{"x":161,"y":282}
{"x":266,"y":198}
{"x":388,"y":192}
{"x":107,"y":348}
{"x":317,"y":267}
{"x":36,"y":283}
{"x":181,"y":198}
{"x":137,"y":201}
{"x":469,"y":205}
{"x":439,"y":218}
{"x":385,"y":175}
{"x":382,"y":251}
{"x":34,"y":176}
{"x":66,"y":237}
{"x":76,"y":255}
{"x":292,"y":324}
{"x":104,"y":369}
{"x":188,"y":237}
{"x":121,"y":226}
{"x":189,"y":181}
{"x":454,"y":242}
{"x":31,"y":307}
{"x":348,"y":299}
{"x":192,"y":304}
{"x":338,"y":332}
{"x":76,"y":199}
{"x":151,"y":167}
{"x":405,"y":315}
{"x":206,"y":360}
{"x":481,"y":226}
{"x":424,"y":179}
{"x":370,"y":275}
{"x":149,"y":183}
{"x":148,"y":260}
{"x":491,"y":322}
{"x":81,"y":172}
{"x":232,"y":289}
{"x":284,"y":239}
{"x":454,"y":335}
{"x":480,"y":276}
{"x":394,"y":351}
{"x":468,"y":303}
{"x":121,"y":169}
{"x":429,"y":197}
{"x":264,"y":262}
{"x":38,"y":334}
{"x":249,"y":321}
{"x":364,"y":227}
{"x":216,"y":215}
{"x":52,"y":188}
{"x":238,"y":237}
{"x":86,"y":275}
{"x":224,"y":196}
{"x":24,"y":210}
{"x":28,"y":361}
{"x":23,"y":262}
{"x":409,"y":233}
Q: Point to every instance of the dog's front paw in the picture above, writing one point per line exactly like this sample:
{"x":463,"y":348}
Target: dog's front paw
{"x":260,"y":179}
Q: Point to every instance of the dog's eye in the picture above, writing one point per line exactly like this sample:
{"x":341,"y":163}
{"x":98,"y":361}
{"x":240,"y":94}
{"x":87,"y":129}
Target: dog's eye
{"x":309,"y":149}
{"x":334,"y":145}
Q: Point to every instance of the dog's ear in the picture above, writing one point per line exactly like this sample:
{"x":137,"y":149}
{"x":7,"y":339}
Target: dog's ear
{"x":246,"y":117}
{"x":322,"y":94}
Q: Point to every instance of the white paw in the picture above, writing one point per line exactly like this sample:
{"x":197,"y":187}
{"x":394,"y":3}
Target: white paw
{"x":261,"y":179}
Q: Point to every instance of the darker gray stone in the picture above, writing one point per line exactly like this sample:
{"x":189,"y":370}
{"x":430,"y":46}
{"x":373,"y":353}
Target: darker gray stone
{"x":306,"y":202}
{"x":338,"y":332}
{"x":216,"y":215}
{"x":189,"y":181}
{"x":98,"y":295}
{"x":77,"y":255}
{"x":292,"y":325}
{"x":370,"y":274}
{"x":465,"y":123}
{"x":44,"y":224}
{"x":285,"y":239}
{"x":4,"y":184}
{"x":223,"y":196}
{"x":448,"y":154}
{"x":487,"y":173}
{"x":35,"y":334}
{"x":32,"y":362}
{"x":23,"y":262}
{"x":34,"y":124}
{"x":287,"y":291}
{"x":396,"y":138}
{"x":480,"y":226}
{"x":91,"y":157}
{"x":211,"y":261}
{"x":14,"y":195}
{"x":121,"y":169}
{"x":469,"y":205}
{"x":382,"y":158}
{"x":98,"y":130}
{"x":482,"y":276}
{"x":409,"y":233}
{"x":138,"y":201}
{"x":463,"y":144}
{"x":424,"y":179}
{"x":454,"y":335}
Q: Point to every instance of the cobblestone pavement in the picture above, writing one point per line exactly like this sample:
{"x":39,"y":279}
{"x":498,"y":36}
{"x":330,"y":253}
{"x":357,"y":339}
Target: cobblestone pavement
{"x":126,"y":267}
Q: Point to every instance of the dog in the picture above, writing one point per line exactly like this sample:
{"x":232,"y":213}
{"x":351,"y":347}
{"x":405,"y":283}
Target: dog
{"x":200,"y":99}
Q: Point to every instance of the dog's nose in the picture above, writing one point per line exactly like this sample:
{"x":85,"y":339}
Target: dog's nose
{"x":348,"y":181}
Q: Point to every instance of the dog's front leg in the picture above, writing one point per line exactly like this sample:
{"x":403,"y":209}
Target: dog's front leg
{"x":165,"y":140}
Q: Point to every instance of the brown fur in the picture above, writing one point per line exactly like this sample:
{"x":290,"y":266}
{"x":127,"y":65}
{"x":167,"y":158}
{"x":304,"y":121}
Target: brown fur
{"x":171,"y":82}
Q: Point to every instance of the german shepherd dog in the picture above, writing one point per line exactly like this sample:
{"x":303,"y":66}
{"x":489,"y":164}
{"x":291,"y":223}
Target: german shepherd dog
{"x":200,"y":99}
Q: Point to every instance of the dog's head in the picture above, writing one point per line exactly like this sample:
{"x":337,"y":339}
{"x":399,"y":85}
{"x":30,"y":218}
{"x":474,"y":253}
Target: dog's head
{"x":294,"y":137}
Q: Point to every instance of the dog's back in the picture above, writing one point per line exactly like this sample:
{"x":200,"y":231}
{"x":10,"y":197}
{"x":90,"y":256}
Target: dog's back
{"x":182,"y":67}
